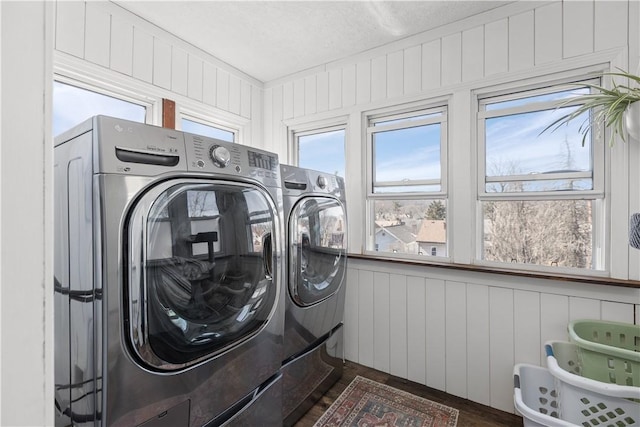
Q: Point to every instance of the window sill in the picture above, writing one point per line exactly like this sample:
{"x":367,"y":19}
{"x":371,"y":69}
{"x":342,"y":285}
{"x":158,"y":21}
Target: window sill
{"x":476,"y":268}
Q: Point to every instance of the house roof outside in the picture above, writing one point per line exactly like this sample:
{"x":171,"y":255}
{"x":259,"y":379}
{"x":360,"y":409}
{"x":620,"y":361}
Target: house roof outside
{"x":401,"y":232}
{"x":432,"y":231}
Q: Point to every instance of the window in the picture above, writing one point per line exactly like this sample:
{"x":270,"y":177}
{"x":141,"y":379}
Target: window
{"x":211,"y":131}
{"x":73,"y":105}
{"x":407,"y":191}
{"x":322,"y":150}
{"x":541,"y":194}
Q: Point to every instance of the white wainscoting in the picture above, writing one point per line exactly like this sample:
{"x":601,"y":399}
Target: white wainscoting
{"x":462,"y":332}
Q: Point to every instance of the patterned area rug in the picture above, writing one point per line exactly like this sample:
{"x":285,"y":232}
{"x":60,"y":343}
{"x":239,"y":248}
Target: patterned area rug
{"x":366,"y":403}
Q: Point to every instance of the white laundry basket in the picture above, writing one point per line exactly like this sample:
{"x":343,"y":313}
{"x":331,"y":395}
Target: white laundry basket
{"x":535,"y":397}
{"x":585,"y":401}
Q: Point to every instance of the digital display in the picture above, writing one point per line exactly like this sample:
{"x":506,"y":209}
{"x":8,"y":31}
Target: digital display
{"x":263,"y":161}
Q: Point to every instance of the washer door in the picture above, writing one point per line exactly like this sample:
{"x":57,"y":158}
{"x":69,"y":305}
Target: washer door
{"x":200,"y":259}
{"x":318,"y":250}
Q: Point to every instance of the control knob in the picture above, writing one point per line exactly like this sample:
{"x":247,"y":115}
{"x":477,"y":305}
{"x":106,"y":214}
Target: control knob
{"x":220,"y":156}
{"x":322,"y":182}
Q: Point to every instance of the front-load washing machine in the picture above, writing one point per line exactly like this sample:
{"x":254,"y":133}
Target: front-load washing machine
{"x":168,"y":303}
{"x":316,"y":228}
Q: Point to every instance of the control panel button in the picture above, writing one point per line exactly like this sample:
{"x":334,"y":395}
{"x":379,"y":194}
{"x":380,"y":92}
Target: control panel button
{"x":322,"y":182}
{"x":220,"y":156}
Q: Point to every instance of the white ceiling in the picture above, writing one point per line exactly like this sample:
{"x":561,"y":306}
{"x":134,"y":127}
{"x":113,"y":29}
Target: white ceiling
{"x":272,"y":39}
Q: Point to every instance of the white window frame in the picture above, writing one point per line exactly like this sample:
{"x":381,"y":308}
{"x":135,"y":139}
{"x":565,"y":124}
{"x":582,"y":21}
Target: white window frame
{"x":313,"y":128}
{"x":369,"y":121}
{"x":597,"y":194}
{"x":200,"y":119}
{"x":108,"y":90}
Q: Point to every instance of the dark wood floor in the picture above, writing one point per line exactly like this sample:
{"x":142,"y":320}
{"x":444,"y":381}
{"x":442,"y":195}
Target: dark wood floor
{"x":471,"y":414}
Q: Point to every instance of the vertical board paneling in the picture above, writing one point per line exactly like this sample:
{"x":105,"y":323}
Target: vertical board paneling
{"x":617,"y":312}
{"x":179,"y":70}
{"x":363,"y":82}
{"x":161,"y":64}
{"x":378,"y":78}
{"x":209,"y":84}
{"x":395,"y":74}
{"x":310,"y":95}
{"x":267,"y":140}
{"x":97,"y":34}
{"x":381,"y":322}
{"x":452,"y":59}
{"x":194,"y":78}
{"x":456,"y":338}
{"x":298,"y":98}
{"x":222,"y":89}
{"x":287,"y":100}
{"x":412,"y":70}
{"x":70,"y":27}
{"x":577,"y":26}
{"x":335,"y":88}
{"x":473,"y":54}
{"x":496,"y":47}
{"x":142,"y":55}
{"x":416,"y":322}
{"x":583,"y":308}
{"x":554,"y":317}
{"x":349,"y":85}
{"x":121,"y":46}
{"x":246,"y":106}
{"x":323,"y":91}
{"x":478,"y":378}
{"x":398,"y":325}
{"x":502,"y":346}
{"x":548,"y":31}
{"x":436,"y":333}
{"x":277,"y":131}
{"x":526,"y":321}
{"x":431,"y":64}
{"x":234,"y":94}
{"x":366,"y":332}
{"x":608,"y":31}
{"x":521,"y":41}
{"x":351,"y":314}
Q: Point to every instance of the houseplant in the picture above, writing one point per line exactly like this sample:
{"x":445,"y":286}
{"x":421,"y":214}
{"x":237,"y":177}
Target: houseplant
{"x":616,"y":108}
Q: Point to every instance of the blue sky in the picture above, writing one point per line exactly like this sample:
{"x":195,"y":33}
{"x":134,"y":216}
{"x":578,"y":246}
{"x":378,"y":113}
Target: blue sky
{"x":323,"y":152}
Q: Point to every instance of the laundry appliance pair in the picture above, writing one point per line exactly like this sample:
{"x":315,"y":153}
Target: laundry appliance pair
{"x":169,"y":276}
{"x":196,"y":280}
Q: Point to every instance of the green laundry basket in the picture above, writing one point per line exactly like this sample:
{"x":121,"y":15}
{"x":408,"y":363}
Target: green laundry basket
{"x":608,"y":351}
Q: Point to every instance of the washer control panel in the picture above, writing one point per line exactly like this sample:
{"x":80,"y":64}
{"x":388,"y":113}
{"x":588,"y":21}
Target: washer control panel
{"x":212,"y":155}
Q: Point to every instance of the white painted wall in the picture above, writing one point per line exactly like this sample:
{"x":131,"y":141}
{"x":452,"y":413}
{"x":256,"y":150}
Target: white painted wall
{"x":453,"y":330}
{"x":26,"y":289}
{"x":100,"y":41}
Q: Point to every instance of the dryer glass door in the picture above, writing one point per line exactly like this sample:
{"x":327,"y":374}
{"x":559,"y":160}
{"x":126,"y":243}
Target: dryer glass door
{"x":200,"y":276}
{"x":318,"y":249}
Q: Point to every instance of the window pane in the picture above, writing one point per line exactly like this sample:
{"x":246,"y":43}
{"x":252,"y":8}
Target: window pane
{"x":323,"y":152}
{"x":410,"y":227}
{"x":73,"y":105}
{"x":407,"y":189}
{"x":515,"y":144}
{"x":407,"y":119}
{"x":407,"y":154}
{"x":206,"y":130}
{"x":551,"y":233}
{"x":556,"y":96}
{"x":546,"y":185}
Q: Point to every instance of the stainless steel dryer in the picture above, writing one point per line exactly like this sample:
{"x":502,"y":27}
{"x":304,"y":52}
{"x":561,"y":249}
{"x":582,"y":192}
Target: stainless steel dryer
{"x":168,"y":302}
{"x":316,"y":228}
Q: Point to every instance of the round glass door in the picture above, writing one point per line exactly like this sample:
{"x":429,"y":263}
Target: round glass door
{"x":318,"y":250}
{"x":200,"y":275}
